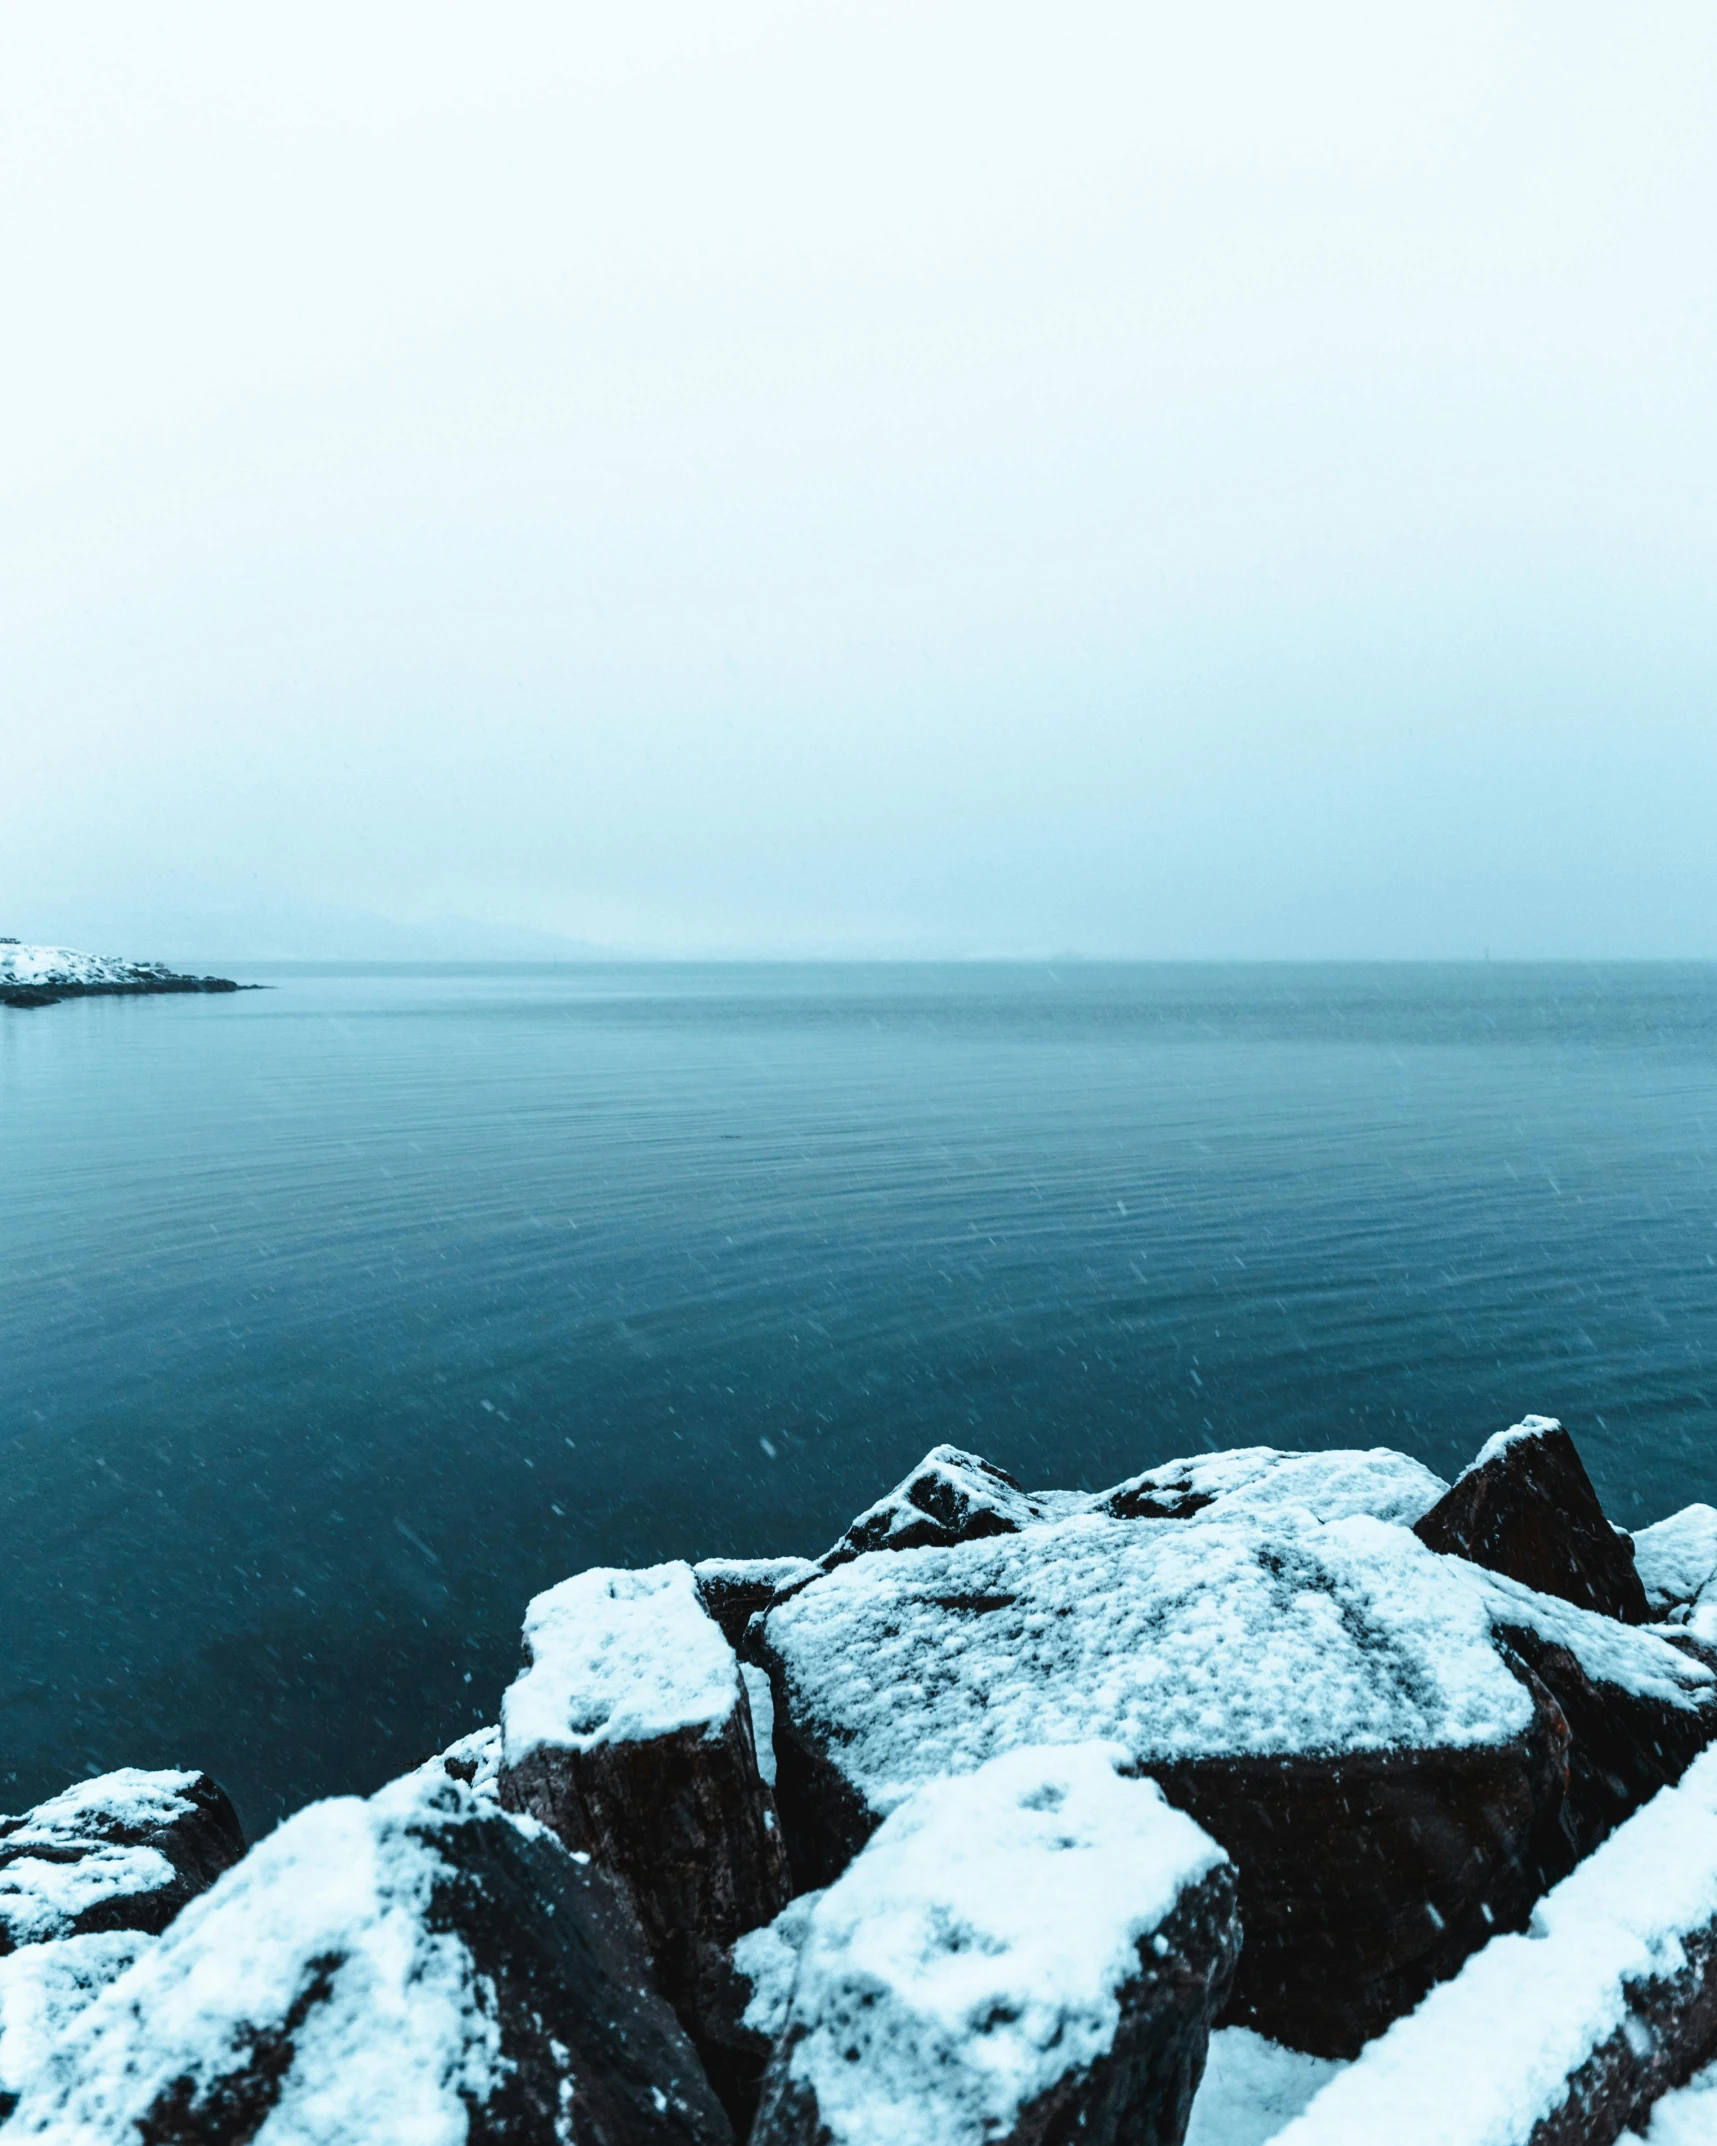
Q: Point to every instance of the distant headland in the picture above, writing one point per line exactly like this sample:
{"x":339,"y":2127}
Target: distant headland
{"x":43,"y":975}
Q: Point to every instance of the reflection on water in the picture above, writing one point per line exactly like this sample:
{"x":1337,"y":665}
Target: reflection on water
{"x":337,"y":1319}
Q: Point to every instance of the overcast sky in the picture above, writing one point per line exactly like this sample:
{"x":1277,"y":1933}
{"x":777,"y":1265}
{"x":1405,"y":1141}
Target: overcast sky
{"x":1164,"y":480}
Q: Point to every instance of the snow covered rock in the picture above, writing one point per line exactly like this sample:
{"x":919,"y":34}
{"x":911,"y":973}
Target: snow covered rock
{"x":630,"y":1736}
{"x":474,"y":1759}
{"x":42,"y":1990}
{"x":124,"y":1851}
{"x":1257,"y":1480}
{"x":734,"y":1589}
{"x":1687,"y":2115}
{"x":1564,"y":2035}
{"x":767,"y":1960}
{"x":951,"y":1496}
{"x":1251,"y":2088}
{"x":1030,"y":1953}
{"x":1526,"y":1508}
{"x":1677,"y":1562}
{"x":407,"y":1971}
{"x":1327,"y":1700}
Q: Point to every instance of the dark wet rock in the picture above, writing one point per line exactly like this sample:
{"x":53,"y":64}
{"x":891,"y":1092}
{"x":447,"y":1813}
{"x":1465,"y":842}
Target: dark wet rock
{"x":415,"y":1966}
{"x":124,"y":1851}
{"x":1368,"y":1878}
{"x":1344,"y":1711}
{"x":25,"y":995}
{"x":1526,"y":1508}
{"x":1569,"y":2034}
{"x":1254,"y":1481}
{"x":1032,"y":1952}
{"x":734,"y":1589}
{"x":1630,"y":1734}
{"x":630,"y":1736}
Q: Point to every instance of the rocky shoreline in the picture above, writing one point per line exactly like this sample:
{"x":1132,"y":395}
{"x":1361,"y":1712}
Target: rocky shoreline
{"x":1265,"y":1795}
{"x":44,"y":975}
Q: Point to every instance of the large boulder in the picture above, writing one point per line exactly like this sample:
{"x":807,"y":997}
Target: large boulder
{"x":124,"y":1851}
{"x":630,"y":1736}
{"x":1255,"y":1481}
{"x":1566,"y":2035}
{"x":1031,"y":1953}
{"x":1526,"y":1508}
{"x":1330,"y":1701}
{"x":415,"y":1967}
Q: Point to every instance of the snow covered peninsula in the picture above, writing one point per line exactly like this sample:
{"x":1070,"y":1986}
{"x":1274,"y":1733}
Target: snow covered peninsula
{"x":43,"y":975}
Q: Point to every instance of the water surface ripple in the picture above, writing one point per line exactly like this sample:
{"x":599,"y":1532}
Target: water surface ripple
{"x":337,"y":1319}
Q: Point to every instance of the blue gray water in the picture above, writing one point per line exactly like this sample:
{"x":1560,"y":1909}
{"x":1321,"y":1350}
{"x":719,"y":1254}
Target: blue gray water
{"x":339,"y":1318}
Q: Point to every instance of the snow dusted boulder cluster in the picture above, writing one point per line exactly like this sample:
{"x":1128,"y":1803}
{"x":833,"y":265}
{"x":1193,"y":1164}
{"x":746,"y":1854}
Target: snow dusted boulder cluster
{"x":972,"y":1832}
{"x":1380,"y":1736}
{"x":415,"y":1967}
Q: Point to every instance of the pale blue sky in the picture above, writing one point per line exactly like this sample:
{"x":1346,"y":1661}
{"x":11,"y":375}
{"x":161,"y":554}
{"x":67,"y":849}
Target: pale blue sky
{"x":1152,"y":480}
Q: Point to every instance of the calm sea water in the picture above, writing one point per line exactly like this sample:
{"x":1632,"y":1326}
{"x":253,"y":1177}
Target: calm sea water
{"x":337,"y":1319}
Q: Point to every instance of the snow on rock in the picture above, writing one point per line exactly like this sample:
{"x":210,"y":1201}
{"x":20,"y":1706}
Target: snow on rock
{"x":1687,"y":2115}
{"x":1255,"y":1480}
{"x":1526,"y":1508}
{"x":50,"y":965}
{"x":734,"y":1589}
{"x":951,"y":1496}
{"x":619,"y":1657}
{"x":1180,"y":1643}
{"x":42,"y":1990}
{"x":1252,"y":2087}
{"x":761,"y":1698}
{"x":414,"y":1970}
{"x":1677,"y":1561}
{"x":41,"y":975}
{"x":124,"y":1851}
{"x":1564,"y":2035}
{"x":1328,"y":1700}
{"x":769,"y":1959}
{"x":473,"y":1759}
{"x":1035,"y":1950}
{"x":630,"y":1735}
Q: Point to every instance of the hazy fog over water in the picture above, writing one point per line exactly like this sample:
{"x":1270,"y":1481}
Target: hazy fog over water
{"x":918,"y":478}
